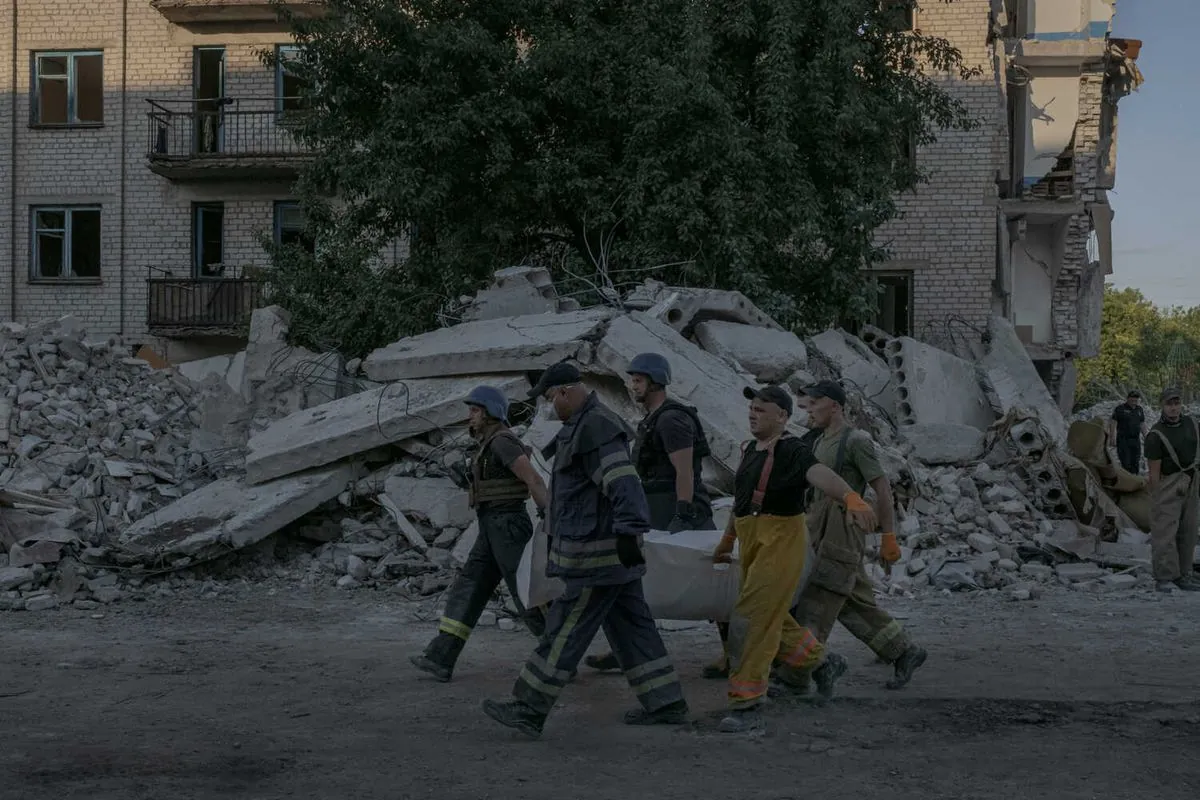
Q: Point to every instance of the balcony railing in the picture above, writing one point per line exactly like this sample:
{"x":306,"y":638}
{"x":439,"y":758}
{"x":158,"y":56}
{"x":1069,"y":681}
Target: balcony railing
{"x":188,"y":138}
{"x":201,"y":306}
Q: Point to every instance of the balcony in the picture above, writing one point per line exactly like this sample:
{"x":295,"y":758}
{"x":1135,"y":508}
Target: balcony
{"x":194,"y":307}
{"x":224,"y":139}
{"x":187,"y":12}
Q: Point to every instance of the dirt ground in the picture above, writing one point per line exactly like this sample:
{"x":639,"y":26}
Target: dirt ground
{"x":273,"y":693}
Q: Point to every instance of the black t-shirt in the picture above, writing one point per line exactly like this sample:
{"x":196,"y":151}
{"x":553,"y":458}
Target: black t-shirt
{"x":788,"y":484}
{"x":674,"y":431}
{"x":1129,"y":420}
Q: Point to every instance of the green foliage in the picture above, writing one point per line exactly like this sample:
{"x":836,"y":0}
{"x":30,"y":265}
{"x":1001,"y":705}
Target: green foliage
{"x":1141,"y":347}
{"x":753,"y":145}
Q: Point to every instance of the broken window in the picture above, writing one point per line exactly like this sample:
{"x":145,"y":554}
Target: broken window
{"x":66,"y":242}
{"x":901,"y":15}
{"x":208,"y":240}
{"x":893,"y":309}
{"x":68,"y":88}
{"x":290,"y":88}
{"x":289,"y":226}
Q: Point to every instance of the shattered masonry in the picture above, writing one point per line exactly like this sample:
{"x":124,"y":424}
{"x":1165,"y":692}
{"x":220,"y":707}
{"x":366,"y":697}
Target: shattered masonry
{"x":118,"y":479}
{"x":1015,"y":219}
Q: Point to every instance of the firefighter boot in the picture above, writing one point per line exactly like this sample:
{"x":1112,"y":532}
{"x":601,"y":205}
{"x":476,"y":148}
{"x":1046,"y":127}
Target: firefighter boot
{"x":439,"y":672}
{"x":516,"y":715}
{"x":674,"y":714}
{"x":604,"y":663}
{"x":908,"y":663}
{"x":826,"y":675}
{"x":742,"y":720}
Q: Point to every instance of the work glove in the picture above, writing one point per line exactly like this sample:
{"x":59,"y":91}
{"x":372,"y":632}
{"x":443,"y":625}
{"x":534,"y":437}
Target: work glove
{"x":684,"y":519}
{"x":629,"y":552}
{"x":889,"y":549}
{"x":861,"y":514}
{"x":458,"y":474}
{"x":723,"y":554}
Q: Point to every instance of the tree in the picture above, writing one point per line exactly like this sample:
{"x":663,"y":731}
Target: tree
{"x":754,"y":145}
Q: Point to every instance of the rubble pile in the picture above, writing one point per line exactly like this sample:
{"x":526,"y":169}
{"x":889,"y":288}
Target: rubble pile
{"x":358,"y":459}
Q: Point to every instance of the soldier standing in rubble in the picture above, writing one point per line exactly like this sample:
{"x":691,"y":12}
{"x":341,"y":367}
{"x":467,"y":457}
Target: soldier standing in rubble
{"x":1173,"y":454}
{"x":768,"y":524}
{"x":839,"y":589}
{"x":596,"y":519}
{"x":1126,"y":428}
{"x":668,"y":452}
{"x":502,"y":478}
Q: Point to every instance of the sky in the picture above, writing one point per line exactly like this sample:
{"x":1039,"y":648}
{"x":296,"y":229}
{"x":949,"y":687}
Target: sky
{"x":1156,"y":202}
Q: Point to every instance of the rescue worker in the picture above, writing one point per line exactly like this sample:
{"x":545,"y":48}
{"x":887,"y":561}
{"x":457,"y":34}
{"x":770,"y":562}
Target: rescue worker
{"x":501,"y":479}
{"x":596,"y":519}
{"x":768,"y":525}
{"x":1173,"y":456}
{"x":1126,"y":428}
{"x":839,"y":589}
{"x":668,"y":452}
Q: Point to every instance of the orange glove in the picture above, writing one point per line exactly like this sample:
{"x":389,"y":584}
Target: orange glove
{"x":860,"y":513}
{"x":723,"y":554}
{"x":889,"y":549}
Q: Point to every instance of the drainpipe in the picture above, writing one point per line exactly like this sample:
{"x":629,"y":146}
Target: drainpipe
{"x":124,"y":128}
{"x":12,"y":171}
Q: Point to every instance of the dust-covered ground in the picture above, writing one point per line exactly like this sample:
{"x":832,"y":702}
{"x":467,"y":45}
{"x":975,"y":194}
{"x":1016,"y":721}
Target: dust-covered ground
{"x":285,"y":693}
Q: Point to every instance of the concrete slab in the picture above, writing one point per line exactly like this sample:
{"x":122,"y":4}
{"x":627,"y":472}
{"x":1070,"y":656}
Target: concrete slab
{"x":936,"y":443}
{"x":698,"y":378}
{"x":510,"y":344}
{"x":516,"y":291}
{"x":933,"y":386}
{"x":768,"y":354}
{"x":858,"y":366}
{"x":436,"y":500}
{"x":683,"y":309}
{"x":228,"y":515}
{"x":358,"y":423}
{"x":1016,"y":381}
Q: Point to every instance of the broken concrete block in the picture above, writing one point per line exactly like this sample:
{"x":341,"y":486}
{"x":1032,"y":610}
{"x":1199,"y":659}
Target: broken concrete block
{"x":1119,"y":581}
{"x":12,"y":577}
{"x":697,"y":378}
{"x":42,"y":602}
{"x":940,"y":443}
{"x":436,"y":500}
{"x":516,"y":291}
{"x":767,"y":354}
{"x":228,"y":514}
{"x":361,"y":422}
{"x":1079,"y":572}
{"x":682,"y":309}
{"x":856,"y":364}
{"x":981,"y":542}
{"x":509,"y":344}
{"x":1015,"y":379}
{"x":933,"y":386}
{"x":462,"y":548}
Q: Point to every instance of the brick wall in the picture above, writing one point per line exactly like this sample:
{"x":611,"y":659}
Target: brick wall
{"x":946,"y":232}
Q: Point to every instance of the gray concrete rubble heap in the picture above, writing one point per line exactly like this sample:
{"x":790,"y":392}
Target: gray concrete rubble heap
{"x":117,"y":474}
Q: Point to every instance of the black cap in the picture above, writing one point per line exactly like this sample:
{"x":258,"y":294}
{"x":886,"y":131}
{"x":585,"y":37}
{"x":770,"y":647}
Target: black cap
{"x":560,"y":374}
{"x":1171,"y":393}
{"x":831,"y":389}
{"x":1134,"y":393}
{"x":771,"y":394}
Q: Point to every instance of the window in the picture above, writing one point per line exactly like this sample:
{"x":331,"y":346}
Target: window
{"x":894,"y":311}
{"x":289,"y":87}
{"x":289,"y":226}
{"x":901,"y":14}
{"x":68,"y":88}
{"x":66,"y":243}
{"x":208,"y":240}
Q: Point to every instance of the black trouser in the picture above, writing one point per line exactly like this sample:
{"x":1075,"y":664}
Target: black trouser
{"x":1129,"y":453}
{"x":495,"y":556}
{"x":574,"y":620}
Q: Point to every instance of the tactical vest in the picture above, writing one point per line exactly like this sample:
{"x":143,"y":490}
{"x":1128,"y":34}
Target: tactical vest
{"x":491,"y":481}
{"x":648,"y":452}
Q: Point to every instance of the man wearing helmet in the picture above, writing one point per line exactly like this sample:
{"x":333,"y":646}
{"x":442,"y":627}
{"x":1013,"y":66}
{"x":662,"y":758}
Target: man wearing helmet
{"x":501,"y":479}
{"x":668,"y":452}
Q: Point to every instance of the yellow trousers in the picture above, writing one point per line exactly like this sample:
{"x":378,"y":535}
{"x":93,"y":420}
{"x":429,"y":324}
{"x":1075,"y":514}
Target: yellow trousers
{"x":761,"y":631}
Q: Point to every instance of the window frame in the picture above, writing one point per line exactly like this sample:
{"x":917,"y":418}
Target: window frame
{"x":277,"y":222}
{"x":68,"y":230}
{"x":197,"y":269}
{"x":280,"y":59}
{"x":35,"y":107}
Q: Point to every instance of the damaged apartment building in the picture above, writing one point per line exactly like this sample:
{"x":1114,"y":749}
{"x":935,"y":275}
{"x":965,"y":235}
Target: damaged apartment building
{"x":145,"y":148}
{"x":1015,"y":219}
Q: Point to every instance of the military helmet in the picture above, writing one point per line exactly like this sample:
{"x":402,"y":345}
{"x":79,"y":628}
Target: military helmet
{"x":491,"y":400}
{"x":653,"y":366}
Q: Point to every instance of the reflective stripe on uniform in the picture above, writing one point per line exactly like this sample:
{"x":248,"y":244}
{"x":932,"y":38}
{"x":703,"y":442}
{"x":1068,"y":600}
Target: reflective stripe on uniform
{"x":454,"y":628}
{"x":650,"y":684}
{"x":586,"y":562}
{"x":571,"y":554}
{"x":887,"y":633}
{"x":746,"y":690}
{"x":802,"y":653}
{"x":616,"y":473}
{"x":553,"y":684}
{"x":643,"y":670}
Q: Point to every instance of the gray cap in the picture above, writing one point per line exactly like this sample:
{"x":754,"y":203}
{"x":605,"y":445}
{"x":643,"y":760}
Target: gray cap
{"x":1171,"y":393}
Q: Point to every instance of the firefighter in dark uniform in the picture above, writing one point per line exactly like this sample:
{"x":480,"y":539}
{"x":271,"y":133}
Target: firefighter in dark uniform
{"x":1126,"y":429}
{"x":668,"y":453}
{"x":595,"y":522}
{"x":501,"y":479}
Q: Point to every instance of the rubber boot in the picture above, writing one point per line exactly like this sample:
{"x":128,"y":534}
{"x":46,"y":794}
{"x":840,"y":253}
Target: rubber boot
{"x":742,"y":720}
{"x":604,"y":663}
{"x":516,"y":715}
{"x":826,"y":676}
{"x":908,"y":663}
{"x":674,"y":714}
{"x":1188,"y":584}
